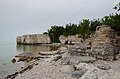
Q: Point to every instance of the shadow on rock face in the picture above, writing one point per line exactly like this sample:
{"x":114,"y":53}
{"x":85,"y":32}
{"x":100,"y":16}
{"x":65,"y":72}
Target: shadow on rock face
{"x":78,"y":74}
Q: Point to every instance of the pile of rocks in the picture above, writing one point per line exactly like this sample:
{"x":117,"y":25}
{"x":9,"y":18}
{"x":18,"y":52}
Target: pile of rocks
{"x":78,"y":50}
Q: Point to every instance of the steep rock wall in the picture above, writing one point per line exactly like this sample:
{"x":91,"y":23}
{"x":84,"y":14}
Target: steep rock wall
{"x":33,"y":39}
{"x":103,"y":44}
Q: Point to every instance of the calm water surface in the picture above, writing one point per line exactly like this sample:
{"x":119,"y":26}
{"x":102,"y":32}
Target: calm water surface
{"x":8,"y":52}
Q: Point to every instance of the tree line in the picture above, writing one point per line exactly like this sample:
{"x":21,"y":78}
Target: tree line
{"x":86,"y":27}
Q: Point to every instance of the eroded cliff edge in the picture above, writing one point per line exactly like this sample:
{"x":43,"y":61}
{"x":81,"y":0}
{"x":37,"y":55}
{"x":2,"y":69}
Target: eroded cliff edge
{"x":88,"y":60}
{"x":104,"y":43}
{"x":34,"y":39}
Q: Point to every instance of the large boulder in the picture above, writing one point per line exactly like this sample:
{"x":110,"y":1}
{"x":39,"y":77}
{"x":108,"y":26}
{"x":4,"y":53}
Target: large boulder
{"x":103,"y":43}
{"x":33,"y":39}
{"x":63,"y":39}
{"x":74,"y":39}
{"x":71,"y":39}
{"x":85,"y":66}
{"x":96,"y":74}
{"x":67,"y":69}
{"x":78,"y":74}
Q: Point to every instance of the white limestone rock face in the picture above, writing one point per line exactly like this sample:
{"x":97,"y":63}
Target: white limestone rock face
{"x":34,"y":39}
{"x":96,"y":74}
{"x":103,"y":43}
{"x":18,"y":39}
{"x":74,"y":39}
{"x":70,"y":39}
{"x":30,"y":39}
{"x":85,"y":66}
{"x":43,"y":38}
{"x":67,"y":69}
{"x":63,"y":39}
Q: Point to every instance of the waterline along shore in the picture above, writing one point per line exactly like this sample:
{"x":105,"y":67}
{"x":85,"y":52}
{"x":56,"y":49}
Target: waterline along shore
{"x":97,"y":57}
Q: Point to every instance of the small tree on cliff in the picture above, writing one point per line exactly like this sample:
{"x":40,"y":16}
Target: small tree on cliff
{"x":84,"y":29}
{"x":70,"y":29}
{"x":117,"y":7}
{"x":94,"y":23}
{"x":112,"y":20}
{"x":55,"y":32}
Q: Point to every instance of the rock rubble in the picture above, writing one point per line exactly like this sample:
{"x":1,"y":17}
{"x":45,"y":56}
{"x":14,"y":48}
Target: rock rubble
{"x":92,"y":59}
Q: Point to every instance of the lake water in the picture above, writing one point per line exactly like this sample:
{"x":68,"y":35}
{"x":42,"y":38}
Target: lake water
{"x":8,"y":52}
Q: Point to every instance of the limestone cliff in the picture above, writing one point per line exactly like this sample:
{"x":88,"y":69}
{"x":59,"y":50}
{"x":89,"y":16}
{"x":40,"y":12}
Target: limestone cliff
{"x":33,"y":39}
{"x":104,"y":43}
{"x":70,"y":39}
{"x":63,"y":39}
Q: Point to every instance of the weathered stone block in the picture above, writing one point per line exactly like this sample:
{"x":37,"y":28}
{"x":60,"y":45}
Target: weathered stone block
{"x":34,"y":39}
{"x":103,"y":43}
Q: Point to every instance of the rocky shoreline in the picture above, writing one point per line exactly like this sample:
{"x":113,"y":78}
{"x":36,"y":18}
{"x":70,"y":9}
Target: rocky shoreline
{"x":62,"y":65}
{"x":95,"y":58}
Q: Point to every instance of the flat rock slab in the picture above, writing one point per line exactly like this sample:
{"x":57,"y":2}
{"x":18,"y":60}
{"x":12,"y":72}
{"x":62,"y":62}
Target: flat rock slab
{"x":74,"y":60}
{"x":41,"y":54}
{"x":67,"y":69}
{"x":103,"y":67}
{"x":48,"y":53}
{"x":29,"y":55}
{"x":51,"y":70}
{"x":26,"y":54}
{"x":45,"y":70}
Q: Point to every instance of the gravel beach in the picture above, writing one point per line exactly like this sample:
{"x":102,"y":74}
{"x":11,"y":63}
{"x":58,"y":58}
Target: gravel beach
{"x":51,"y":70}
{"x":65,"y":66}
{"x":44,"y":70}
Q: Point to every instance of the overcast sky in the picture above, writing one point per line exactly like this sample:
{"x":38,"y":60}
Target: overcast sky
{"x":18,"y":17}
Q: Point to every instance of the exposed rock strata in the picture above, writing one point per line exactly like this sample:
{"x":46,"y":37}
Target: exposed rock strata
{"x":34,"y":39}
{"x":104,"y":43}
{"x":71,"y":39}
{"x":63,"y":39}
{"x":64,"y":66}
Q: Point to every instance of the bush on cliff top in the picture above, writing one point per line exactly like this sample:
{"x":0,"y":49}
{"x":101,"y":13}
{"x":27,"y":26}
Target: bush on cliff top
{"x":86,"y":27}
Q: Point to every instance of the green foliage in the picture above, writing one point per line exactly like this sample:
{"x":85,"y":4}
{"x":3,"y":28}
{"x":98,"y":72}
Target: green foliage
{"x":45,"y":33}
{"x":55,"y":32}
{"x":117,"y":7}
{"x":86,"y":27}
{"x":70,"y":29}
{"x":94,"y":23}
{"x":112,"y":20}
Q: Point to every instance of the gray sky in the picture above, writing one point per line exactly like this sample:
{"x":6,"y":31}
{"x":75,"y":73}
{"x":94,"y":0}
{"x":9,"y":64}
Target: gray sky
{"x":18,"y":17}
